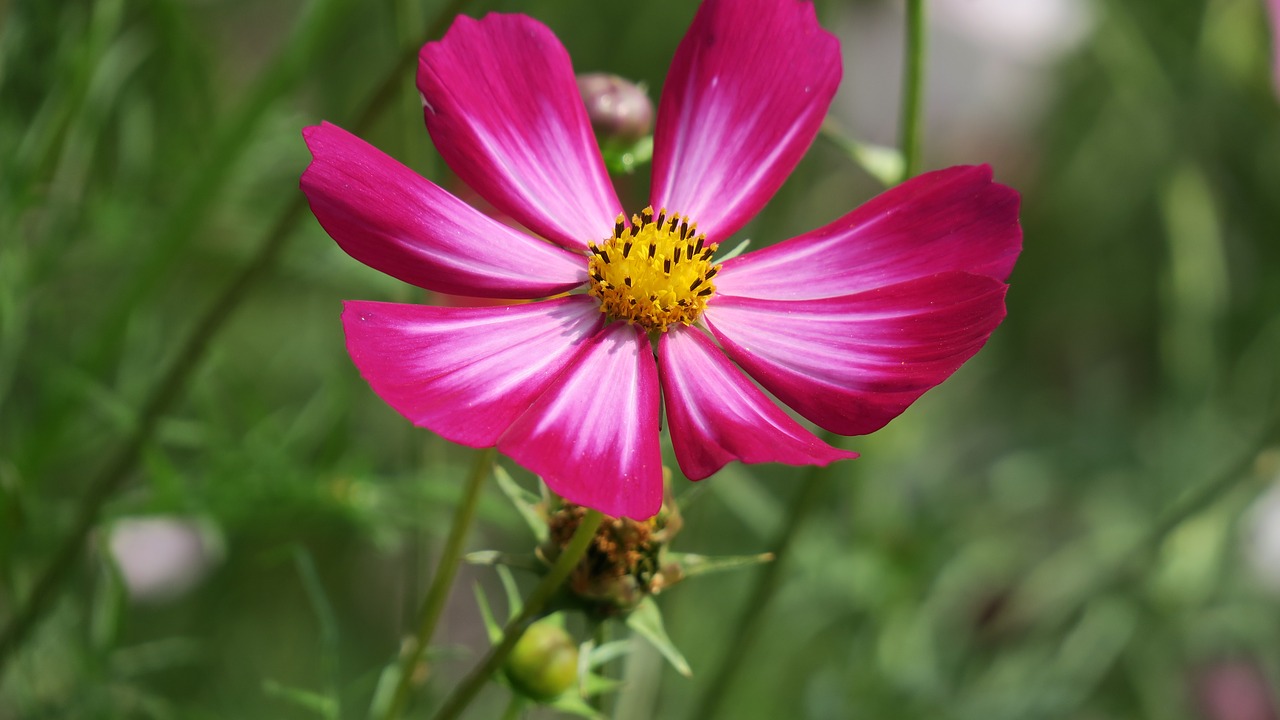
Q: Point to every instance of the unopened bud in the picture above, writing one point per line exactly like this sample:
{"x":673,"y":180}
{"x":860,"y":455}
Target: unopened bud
{"x":544,"y":662}
{"x":619,"y":109}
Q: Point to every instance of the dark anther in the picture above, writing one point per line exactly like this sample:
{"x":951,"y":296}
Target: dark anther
{"x":626,"y":248}
{"x":652,"y":249}
{"x":597,"y":277}
{"x":705,"y":291}
{"x":712,"y":272}
{"x":627,"y":280}
{"x":635,"y":229}
{"x":695,"y":284}
{"x":605,"y":255}
{"x":701,"y":239}
{"x":684,"y":229}
{"x":662,"y":217}
{"x":666,"y":266}
{"x":618,"y":227}
{"x":678,"y":255}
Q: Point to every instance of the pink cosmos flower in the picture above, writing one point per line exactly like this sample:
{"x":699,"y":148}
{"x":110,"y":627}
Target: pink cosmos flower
{"x":847,"y":324}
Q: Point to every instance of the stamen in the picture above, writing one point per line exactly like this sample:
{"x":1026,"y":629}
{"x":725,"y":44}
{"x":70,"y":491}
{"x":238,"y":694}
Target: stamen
{"x":669,"y":283}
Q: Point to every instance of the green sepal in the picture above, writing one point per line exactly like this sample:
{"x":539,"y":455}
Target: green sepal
{"x":574,"y":705}
{"x":646,"y":620}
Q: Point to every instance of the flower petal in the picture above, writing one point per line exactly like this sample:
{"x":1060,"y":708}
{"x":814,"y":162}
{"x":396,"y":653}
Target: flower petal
{"x":716,"y":414}
{"x":748,"y":88}
{"x":593,"y":436}
{"x":466,"y":373}
{"x":391,"y":219}
{"x":953,"y":219}
{"x":853,"y":363}
{"x":502,"y":106}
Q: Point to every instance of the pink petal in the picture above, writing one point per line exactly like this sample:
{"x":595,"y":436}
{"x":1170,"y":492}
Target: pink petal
{"x":716,"y":414}
{"x":466,"y":373}
{"x":593,"y":436}
{"x":391,"y":219}
{"x":502,"y":106}
{"x":953,"y":219}
{"x":853,"y":363}
{"x":748,"y":88}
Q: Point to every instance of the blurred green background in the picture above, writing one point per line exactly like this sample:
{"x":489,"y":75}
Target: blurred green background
{"x":1068,"y":528}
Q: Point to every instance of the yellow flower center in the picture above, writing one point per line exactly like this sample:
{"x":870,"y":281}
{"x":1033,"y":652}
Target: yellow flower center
{"x":655,"y":272}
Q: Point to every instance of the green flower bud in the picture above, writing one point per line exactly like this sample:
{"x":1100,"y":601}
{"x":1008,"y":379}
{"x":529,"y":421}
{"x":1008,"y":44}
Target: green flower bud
{"x":544,"y":663}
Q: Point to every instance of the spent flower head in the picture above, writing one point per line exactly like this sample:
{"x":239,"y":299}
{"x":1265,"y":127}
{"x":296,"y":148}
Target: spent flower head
{"x":847,"y":324}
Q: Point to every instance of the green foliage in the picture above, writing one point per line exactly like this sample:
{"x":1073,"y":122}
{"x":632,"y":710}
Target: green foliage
{"x":1031,"y":540}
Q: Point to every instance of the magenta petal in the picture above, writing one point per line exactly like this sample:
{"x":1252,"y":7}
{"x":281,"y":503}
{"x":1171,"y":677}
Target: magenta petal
{"x":953,"y":219}
{"x":853,"y":363}
{"x":593,"y":436}
{"x":748,"y":88}
{"x":716,"y":414}
{"x":466,"y":373}
{"x":391,"y":219}
{"x":502,"y":106}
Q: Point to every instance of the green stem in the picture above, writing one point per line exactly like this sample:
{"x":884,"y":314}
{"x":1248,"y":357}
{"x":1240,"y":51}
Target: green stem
{"x":470,"y":686}
{"x":599,"y":636}
{"x":912,"y":89}
{"x":446,"y":570}
{"x":748,"y":624}
{"x":514,"y":708}
{"x":171,"y":384}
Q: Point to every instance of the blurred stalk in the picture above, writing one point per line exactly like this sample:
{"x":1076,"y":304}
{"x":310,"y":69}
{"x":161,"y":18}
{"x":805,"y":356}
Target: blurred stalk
{"x":550,"y":584}
{"x":174,"y":380}
{"x":748,"y":624}
{"x":446,"y":571}
{"x":1047,"y":617}
{"x":322,"y":22}
{"x":912,"y":90}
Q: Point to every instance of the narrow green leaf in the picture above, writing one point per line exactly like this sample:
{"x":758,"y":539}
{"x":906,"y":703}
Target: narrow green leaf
{"x":526,"y":502}
{"x":601,"y":654}
{"x":493,"y":629}
{"x":694,"y":565}
{"x":496,"y":558}
{"x":315,"y":702}
{"x":646,"y":621}
{"x":514,"y":602}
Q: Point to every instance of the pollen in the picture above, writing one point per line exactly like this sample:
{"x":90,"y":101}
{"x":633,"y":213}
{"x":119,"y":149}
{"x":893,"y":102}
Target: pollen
{"x":655,"y":272}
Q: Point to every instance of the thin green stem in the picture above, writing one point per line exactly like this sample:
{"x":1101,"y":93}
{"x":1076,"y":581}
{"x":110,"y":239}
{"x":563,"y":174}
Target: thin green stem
{"x":912,"y":89}
{"x":470,"y":686}
{"x":446,"y":571}
{"x":748,"y":624}
{"x":174,"y":380}
{"x":599,"y":636}
{"x":514,"y":708}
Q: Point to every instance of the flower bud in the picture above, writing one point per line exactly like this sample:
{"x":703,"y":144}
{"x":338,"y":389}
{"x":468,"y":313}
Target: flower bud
{"x":544,"y":662}
{"x":619,"y":109}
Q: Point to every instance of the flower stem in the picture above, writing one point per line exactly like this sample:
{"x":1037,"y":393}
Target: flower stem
{"x":174,"y":380}
{"x":470,"y":686}
{"x":748,"y":624}
{"x":912,"y":89}
{"x":446,"y":570}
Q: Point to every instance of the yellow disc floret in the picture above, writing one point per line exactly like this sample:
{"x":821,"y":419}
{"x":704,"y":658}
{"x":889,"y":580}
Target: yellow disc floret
{"x":654,"y":273}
